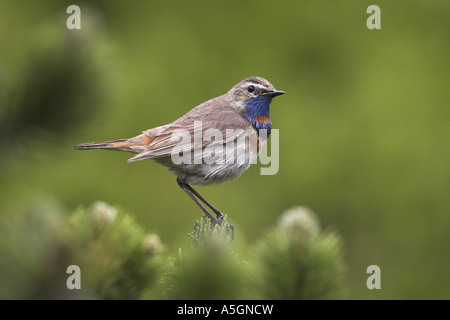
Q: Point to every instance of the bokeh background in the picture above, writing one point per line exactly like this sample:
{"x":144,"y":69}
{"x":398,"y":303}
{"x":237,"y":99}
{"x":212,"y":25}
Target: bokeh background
{"x":364,"y":126}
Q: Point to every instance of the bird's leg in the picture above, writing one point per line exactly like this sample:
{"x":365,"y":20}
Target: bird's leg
{"x":196,"y":196}
{"x":187,"y":188}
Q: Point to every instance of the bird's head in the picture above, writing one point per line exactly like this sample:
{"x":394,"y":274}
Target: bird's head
{"x":252,"y":98}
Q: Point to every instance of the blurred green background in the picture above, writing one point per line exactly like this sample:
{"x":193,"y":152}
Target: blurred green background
{"x":364,"y":126}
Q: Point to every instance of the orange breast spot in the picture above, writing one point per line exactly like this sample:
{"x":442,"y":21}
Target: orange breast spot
{"x":261,"y":119}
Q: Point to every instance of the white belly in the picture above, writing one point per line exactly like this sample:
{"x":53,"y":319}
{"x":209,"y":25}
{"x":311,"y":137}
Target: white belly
{"x":218,"y":162}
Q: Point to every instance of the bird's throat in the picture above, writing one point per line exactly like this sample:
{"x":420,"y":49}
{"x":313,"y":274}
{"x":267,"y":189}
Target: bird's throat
{"x":257,"y":112}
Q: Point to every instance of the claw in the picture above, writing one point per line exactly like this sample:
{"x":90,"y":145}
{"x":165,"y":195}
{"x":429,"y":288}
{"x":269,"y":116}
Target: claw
{"x":219,"y":220}
{"x":231,"y":227}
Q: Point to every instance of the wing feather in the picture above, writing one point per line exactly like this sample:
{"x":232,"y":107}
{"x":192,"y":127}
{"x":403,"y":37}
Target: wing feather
{"x":206,"y":116}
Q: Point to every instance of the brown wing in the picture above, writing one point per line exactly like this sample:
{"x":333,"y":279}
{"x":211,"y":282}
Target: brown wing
{"x":213,"y":114}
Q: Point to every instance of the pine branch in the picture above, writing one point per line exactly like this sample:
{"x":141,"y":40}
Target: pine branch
{"x":119,"y":260}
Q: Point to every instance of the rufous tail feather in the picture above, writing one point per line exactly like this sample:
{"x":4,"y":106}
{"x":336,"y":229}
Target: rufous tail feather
{"x":135,"y":145}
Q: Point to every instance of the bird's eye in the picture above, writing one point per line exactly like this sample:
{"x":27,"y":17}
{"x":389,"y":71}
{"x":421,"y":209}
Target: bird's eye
{"x":251,"y":88}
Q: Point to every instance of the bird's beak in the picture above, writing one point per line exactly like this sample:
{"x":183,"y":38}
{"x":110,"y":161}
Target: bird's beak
{"x":274,"y":93}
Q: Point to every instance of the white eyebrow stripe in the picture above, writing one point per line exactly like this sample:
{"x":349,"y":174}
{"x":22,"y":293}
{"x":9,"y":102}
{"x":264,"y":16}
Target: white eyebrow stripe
{"x":256,"y":85}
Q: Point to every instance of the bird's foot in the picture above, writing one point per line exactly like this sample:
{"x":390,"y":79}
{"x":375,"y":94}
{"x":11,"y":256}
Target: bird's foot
{"x":219,"y":220}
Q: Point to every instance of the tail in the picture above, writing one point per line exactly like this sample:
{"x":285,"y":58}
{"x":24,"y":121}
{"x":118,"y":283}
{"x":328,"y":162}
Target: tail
{"x":108,"y":145}
{"x":97,"y":145}
{"x":135,"y":145}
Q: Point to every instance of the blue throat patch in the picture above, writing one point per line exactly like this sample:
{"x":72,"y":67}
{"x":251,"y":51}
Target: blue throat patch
{"x":257,"y":112}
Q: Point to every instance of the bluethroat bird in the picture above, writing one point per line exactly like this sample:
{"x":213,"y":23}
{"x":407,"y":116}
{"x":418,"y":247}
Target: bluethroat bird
{"x":220,"y":138}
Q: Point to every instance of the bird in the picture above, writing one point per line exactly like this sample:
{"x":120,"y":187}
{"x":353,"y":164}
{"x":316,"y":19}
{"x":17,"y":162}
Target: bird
{"x":218,"y":140}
